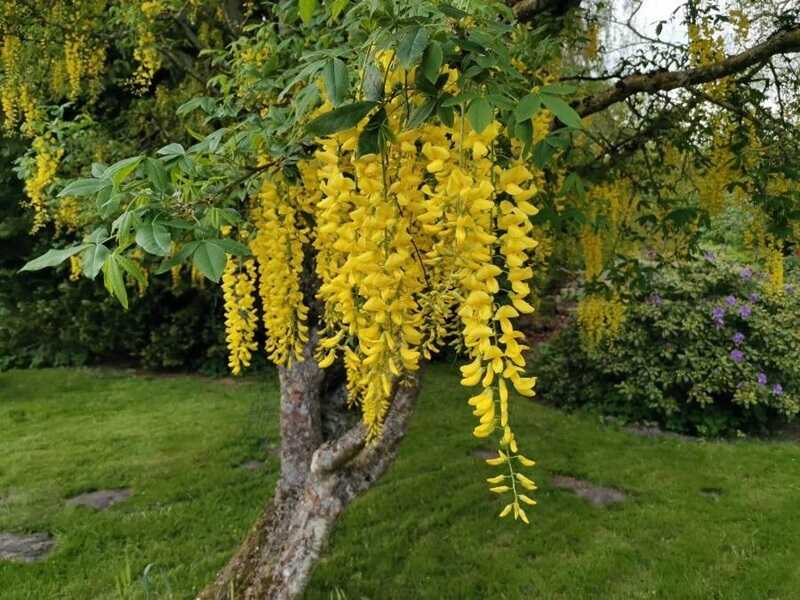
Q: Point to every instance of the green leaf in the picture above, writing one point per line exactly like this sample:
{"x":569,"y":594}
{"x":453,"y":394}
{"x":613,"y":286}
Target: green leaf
{"x":98,"y":236}
{"x":445,"y":113}
{"x":157,"y":175}
{"x":479,"y":114}
{"x":527,"y":107}
{"x":119,"y":171}
{"x":306,"y":10}
{"x":452,"y":11}
{"x":501,"y":102}
{"x":337,"y":7}
{"x":204,"y":102}
{"x":113,"y":280}
{"x":542,"y":153}
{"x":337,"y":82}
{"x":132,"y":268}
{"x":369,"y":141}
{"x":171,"y":150}
{"x":93,"y":259}
{"x":123,"y":225}
{"x":565,"y":113}
{"x":523,"y":131}
{"x":154,"y":238}
{"x":456,"y":100}
{"x":340,"y":119}
{"x":108,"y":202}
{"x":52,"y":258}
{"x":421,"y":113}
{"x":432,"y":61}
{"x":305,"y":99}
{"x":233,"y":247}
{"x":84,"y":187}
{"x":411,"y":46}
{"x":179,"y":257}
{"x":559,"y":89}
{"x":573,"y":183}
{"x":209,"y":258}
{"x":372,"y":86}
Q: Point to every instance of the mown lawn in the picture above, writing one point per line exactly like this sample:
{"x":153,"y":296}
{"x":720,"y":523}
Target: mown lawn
{"x":702,"y":519}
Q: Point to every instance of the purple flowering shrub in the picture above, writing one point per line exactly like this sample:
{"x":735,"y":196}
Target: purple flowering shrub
{"x":715,"y":354}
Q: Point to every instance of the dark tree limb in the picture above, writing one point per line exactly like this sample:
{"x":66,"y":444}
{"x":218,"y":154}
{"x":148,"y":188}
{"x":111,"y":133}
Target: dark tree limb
{"x":783,"y":42}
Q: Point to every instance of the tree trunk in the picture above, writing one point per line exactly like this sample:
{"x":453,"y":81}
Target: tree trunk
{"x":318,"y":480}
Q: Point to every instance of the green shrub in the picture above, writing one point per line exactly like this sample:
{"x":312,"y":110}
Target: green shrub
{"x":702,"y":351}
{"x":46,"y":320}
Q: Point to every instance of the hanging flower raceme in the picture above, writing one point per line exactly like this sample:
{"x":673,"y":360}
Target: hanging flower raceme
{"x":278,"y":248}
{"x":238,"y":287}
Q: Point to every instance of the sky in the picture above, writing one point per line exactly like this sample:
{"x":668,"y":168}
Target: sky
{"x":650,"y":13}
{"x":653,"y":11}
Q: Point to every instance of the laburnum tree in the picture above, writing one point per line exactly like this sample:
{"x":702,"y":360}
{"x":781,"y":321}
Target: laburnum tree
{"x":373,"y":181}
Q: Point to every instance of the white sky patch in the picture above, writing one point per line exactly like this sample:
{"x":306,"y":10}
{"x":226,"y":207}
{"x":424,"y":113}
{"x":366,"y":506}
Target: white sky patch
{"x":644,"y":17}
{"x":653,"y":11}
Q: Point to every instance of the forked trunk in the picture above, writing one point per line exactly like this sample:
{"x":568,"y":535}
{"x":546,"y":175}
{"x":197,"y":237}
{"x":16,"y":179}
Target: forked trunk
{"x":318,"y":480}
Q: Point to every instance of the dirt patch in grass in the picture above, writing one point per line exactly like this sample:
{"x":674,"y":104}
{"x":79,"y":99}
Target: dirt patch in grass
{"x":100,"y":499}
{"x":597,"y":495}
{"x":28,"y":547}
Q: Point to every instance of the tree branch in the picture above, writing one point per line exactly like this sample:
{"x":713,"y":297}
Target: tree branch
{"x":786,"y":41}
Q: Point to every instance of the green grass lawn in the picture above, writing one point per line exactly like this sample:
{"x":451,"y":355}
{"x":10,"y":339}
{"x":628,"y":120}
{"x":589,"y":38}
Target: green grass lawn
{"x":427,"y":530}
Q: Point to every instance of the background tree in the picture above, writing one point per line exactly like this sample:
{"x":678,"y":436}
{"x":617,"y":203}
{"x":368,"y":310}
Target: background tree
{"x":379,"y":180}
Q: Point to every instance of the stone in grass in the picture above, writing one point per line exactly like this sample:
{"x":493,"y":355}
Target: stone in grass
{"x":597,"y":495}
{"x":28,"y":547}
{"x":484,"y":453}
{"x":711,"y":492}
{"x":100,"y":499}
{"x":252,"y":465}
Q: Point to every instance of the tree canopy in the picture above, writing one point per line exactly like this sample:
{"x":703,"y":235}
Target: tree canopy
{"x":373,"y":181}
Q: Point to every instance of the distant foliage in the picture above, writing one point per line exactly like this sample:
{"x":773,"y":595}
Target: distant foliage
{"x":61,"y":323}
{"x":708,"y":349}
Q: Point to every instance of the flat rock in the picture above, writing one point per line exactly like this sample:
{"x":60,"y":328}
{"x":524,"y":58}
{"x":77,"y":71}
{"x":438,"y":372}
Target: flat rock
{"x":484,"y":453}
{"x":100,"y":499}
{"x":711,"y":492}
{"x":252,"y":465}
{"x":597,"y":495}
{"x":25,"y":547}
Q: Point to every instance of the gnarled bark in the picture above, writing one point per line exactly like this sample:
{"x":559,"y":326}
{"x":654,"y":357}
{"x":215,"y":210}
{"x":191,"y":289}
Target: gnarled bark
{"x":318,"y":480}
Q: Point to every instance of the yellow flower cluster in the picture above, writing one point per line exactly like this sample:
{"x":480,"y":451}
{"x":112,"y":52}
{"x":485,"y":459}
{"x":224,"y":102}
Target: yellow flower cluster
{"x":146,"y":52}
{"x":741,"y":25}
{"x":16,"y":98}
{"x":278,"y":249}
{"x":241,"y":320}
{"x":67,"y":214}
{"x":75,"y":268}
{"x":592,"y":45}
{"x":711,"y":182}
{"x":706,"y":48}
{"x":44,"y":171}
{"x":600,"y":319}
{"x":405,"y":239}
{"x":592,"y":246}
{"x":774,"y":284}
